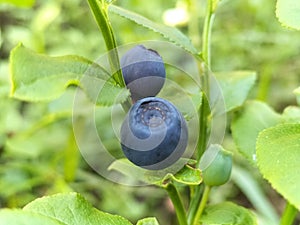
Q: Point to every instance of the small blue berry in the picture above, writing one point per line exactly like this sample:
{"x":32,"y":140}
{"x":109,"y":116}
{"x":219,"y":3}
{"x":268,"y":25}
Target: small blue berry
{"x":143,"y":71}
{"x":154,"y":134}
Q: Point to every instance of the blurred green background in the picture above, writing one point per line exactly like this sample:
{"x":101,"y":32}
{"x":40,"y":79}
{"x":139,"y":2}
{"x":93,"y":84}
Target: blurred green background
{"x":38,"y":154}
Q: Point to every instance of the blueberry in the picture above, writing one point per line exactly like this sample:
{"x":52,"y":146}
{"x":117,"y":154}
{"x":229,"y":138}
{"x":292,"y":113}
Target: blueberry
{"x":154,"y":134}
{"x":143,"y":71}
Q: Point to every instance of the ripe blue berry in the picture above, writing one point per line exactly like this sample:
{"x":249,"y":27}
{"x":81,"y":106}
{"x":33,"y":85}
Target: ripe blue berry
{"x":143,"y":71}
{"x":154,"y":134}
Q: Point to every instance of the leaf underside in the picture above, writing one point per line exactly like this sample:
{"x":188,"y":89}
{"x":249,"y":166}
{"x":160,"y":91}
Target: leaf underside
{"x":186,"y":176}
{"x":37,"y":77}
{"x":235,"y":86}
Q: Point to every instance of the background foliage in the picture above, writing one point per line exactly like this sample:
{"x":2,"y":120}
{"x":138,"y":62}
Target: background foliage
{"x":38,"y":155}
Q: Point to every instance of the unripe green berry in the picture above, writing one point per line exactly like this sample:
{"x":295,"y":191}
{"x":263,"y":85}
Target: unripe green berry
{"x":216,"y":164}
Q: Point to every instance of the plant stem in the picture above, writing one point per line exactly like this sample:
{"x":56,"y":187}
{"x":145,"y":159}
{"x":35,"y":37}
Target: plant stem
{"x":204,"y":69}
{"x":100,"y":14}
{"x":204,"y":112}
{"x":176,"y":200}
{"x":202,"y":205}
{"x":264,"y":83}
{"x":195,"y":199}
{"x":289,"y":215}
{"x":206,"y":35}
{"x":206,"y":48}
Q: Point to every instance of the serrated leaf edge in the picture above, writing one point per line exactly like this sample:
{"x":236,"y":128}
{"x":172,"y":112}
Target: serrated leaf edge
{"x":283,"y":24}
{"x":192,"y":50}
{"x":258,"y":164}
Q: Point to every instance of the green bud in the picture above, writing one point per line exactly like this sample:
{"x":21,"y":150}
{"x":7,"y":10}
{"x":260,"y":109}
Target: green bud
{"x":216,"y":164}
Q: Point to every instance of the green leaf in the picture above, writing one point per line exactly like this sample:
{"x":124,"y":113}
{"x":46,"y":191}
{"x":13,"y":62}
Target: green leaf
{"x":23,"y":3}
{"x":246,"y":125}
{"x":227,"y":213}
{"x":148,"y":221}
{"x":37,"y":77}
{"x":73,"y":209}
{"x":291,"y":114}
{"x":278,"y":158}
{"x":170,"y":33}
{"x":288,"y":13}
{"x":187,"y":175}
{"x":18,"y":216}
{"x":297,"y":93}
{"x":235,"y":86}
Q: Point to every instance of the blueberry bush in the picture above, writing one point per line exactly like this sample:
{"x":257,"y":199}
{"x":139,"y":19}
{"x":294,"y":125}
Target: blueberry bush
{"x":170,"y":112}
